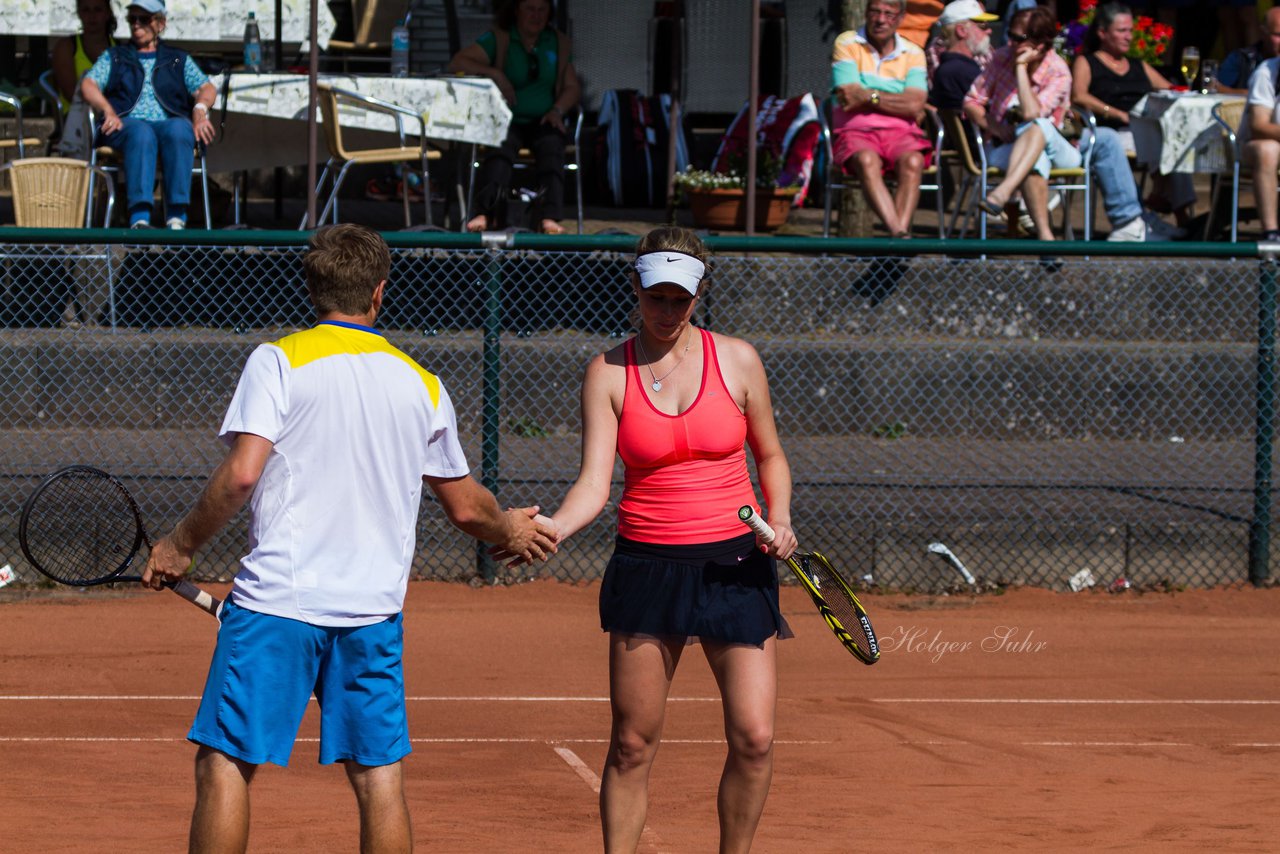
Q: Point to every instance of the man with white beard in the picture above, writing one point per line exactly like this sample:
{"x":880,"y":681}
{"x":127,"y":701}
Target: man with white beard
{"x":966,"y":32}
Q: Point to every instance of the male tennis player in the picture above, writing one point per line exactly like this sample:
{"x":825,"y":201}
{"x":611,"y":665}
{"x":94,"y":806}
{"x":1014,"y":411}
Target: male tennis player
{"x":332,"y":432}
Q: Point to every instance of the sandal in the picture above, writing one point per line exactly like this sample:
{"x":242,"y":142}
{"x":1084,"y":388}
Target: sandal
{"x":990,"y":207}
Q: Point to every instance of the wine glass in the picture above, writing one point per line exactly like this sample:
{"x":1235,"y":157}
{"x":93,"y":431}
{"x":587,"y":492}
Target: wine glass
{"x":1190,"y":65}
{"x":1210,"y":68}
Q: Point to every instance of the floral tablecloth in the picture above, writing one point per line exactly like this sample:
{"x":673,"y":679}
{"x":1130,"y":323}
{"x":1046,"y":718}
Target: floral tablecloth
{"x":1175,"y":132}
{"x":190,"y":20}
{"x":265,"y":119}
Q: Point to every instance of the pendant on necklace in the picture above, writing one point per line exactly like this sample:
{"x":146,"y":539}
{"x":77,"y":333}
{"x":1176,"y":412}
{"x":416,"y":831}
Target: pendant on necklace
{"x":656,"y":386}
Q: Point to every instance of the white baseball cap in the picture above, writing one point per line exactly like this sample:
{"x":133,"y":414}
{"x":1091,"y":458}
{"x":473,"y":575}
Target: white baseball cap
{"x":965,"y":10}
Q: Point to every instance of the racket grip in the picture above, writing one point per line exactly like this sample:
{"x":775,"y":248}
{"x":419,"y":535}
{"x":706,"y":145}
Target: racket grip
{"x":202,"y":599}
{"x":749,"y":517}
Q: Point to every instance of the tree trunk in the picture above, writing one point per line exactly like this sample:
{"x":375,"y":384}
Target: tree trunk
{"x":856,"y":216}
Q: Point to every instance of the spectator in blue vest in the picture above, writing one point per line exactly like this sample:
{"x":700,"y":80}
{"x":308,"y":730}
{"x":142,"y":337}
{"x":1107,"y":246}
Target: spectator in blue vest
{"x":152,"y":101}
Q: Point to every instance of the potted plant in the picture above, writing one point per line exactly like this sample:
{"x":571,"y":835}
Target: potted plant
{"x":717,"y":200}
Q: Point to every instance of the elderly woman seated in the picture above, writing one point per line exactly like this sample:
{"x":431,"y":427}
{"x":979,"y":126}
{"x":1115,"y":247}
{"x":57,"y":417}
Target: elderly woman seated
{"x":152,"y":101}
{"x":1020,"y":101}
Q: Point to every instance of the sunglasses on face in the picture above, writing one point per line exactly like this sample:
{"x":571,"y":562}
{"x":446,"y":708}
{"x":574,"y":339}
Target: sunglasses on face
{"x":138,"y":20}
{"x":1017,"y":38}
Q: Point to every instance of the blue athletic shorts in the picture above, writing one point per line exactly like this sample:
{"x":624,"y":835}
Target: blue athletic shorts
{"x":266,"y":668}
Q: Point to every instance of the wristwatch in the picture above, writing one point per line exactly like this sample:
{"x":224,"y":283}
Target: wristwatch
{"x":875,"y":98}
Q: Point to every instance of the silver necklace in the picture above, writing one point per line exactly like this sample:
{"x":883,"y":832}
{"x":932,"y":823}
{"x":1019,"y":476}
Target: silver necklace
{"x":656,"y":385}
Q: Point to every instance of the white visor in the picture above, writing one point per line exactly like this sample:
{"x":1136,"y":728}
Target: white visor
{"x":675,"y":268}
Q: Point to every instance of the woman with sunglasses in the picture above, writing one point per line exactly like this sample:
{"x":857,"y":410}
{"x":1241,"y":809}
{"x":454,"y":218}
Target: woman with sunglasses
{"x":152,"y":101}
{"x":532,"y":65}
{"x":1019,"y":103}
{"x":1109,"y":84}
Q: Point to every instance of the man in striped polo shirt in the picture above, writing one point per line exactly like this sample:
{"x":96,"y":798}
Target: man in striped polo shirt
{"x":880,"y":88}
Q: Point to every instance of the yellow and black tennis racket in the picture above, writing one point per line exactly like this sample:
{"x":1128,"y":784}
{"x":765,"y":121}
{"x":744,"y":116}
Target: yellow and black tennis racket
{"x":830,"y":592}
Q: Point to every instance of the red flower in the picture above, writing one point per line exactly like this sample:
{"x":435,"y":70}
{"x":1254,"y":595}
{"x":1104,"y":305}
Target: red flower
{"x":1144,"y":22}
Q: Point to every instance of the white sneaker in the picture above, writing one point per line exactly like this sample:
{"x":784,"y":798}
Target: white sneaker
{"x":142,"y":223}
{"x":175,"y":223}
{"x":1133,"y":231}
{"x":1024,"y":218}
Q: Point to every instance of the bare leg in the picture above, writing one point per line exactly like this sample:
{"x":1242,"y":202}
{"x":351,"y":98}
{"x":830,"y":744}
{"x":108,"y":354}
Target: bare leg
{"x":384,"y":815}
{"x":640,"y":672}
{"x":748,"y":680}
{"x":1263,"y":157}
{"x":869,"y":168}
{"x":220,"y":821}
{"x":909,"y":168}
{"x":1027,"y":149}
{"x":1035,"y":190}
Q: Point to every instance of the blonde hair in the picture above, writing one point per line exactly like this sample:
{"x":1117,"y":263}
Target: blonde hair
{"x":672,"y":238}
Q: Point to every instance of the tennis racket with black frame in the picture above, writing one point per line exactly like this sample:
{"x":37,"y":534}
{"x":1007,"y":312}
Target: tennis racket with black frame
{"x":834,"y":597}
{"x":81,"y":527}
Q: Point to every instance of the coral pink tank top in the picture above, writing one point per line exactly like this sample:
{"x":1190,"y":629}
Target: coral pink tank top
{"x":686,"y":474}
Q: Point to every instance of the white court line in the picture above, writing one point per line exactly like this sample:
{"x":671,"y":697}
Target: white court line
{"x":1064,"y":701}
{"x":580,"y":768}
{"x":530,"y":699}
{"x":1260,"y":745}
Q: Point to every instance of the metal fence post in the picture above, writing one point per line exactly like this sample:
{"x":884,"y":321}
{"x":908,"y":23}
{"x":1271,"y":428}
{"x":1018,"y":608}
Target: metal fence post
{"x":1264,"y":427}
{"x":492,"y":387}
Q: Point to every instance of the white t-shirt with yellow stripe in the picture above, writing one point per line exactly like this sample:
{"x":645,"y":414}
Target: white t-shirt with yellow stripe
{"x":355,"y":424}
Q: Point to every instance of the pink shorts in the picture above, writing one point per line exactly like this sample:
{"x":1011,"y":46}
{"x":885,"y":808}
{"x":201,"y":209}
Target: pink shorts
{"x":889,"y":143}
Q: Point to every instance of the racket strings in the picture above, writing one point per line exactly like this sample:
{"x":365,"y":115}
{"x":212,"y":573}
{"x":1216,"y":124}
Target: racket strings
{"x":839,"y":601}
{"x":82,"y":528}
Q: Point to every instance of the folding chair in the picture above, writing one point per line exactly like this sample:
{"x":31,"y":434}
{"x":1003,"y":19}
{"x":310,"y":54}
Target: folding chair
{"x":524,"y":161}
{"x":1079,"y":179}
{"x":108,"y":160}
{"x":1228,"y":115}
{"x":836,"y":180}
{"x":341,"y":158}
{"x":21,"y":141}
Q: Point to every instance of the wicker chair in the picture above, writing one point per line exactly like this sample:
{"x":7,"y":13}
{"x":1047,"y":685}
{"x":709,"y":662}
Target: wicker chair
{"x":1228,"y":115}
{"x":63,"y":284}
{"x":53,"y":192}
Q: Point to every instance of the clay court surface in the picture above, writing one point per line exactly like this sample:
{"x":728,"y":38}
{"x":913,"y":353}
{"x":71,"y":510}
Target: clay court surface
{"x":1032,"y":721}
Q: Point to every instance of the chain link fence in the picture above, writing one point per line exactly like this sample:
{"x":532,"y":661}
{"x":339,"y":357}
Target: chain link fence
{"x":1077,"y":418}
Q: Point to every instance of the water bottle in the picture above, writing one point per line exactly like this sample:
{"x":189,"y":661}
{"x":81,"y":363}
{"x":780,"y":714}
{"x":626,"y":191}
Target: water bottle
{"x":400,"y":50}
{"x":252,"y":46}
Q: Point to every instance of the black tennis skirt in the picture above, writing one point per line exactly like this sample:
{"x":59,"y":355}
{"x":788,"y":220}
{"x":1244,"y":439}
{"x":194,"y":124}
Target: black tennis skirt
{"x":724,"y":591}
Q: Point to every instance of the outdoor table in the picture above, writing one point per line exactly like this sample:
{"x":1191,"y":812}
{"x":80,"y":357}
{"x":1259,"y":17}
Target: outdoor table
{"x":1175,"y":132}
{"x":265,"y":118}
{"x":188,"y":20}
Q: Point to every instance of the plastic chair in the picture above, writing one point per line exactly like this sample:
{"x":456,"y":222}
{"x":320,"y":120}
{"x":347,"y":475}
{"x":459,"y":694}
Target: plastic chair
{"x":342,"y":158}
{"x":1228,"y":115}
{"x":836,"y":179}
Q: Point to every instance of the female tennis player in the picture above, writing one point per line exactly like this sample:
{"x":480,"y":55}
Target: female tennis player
{"x":678,"y":403}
